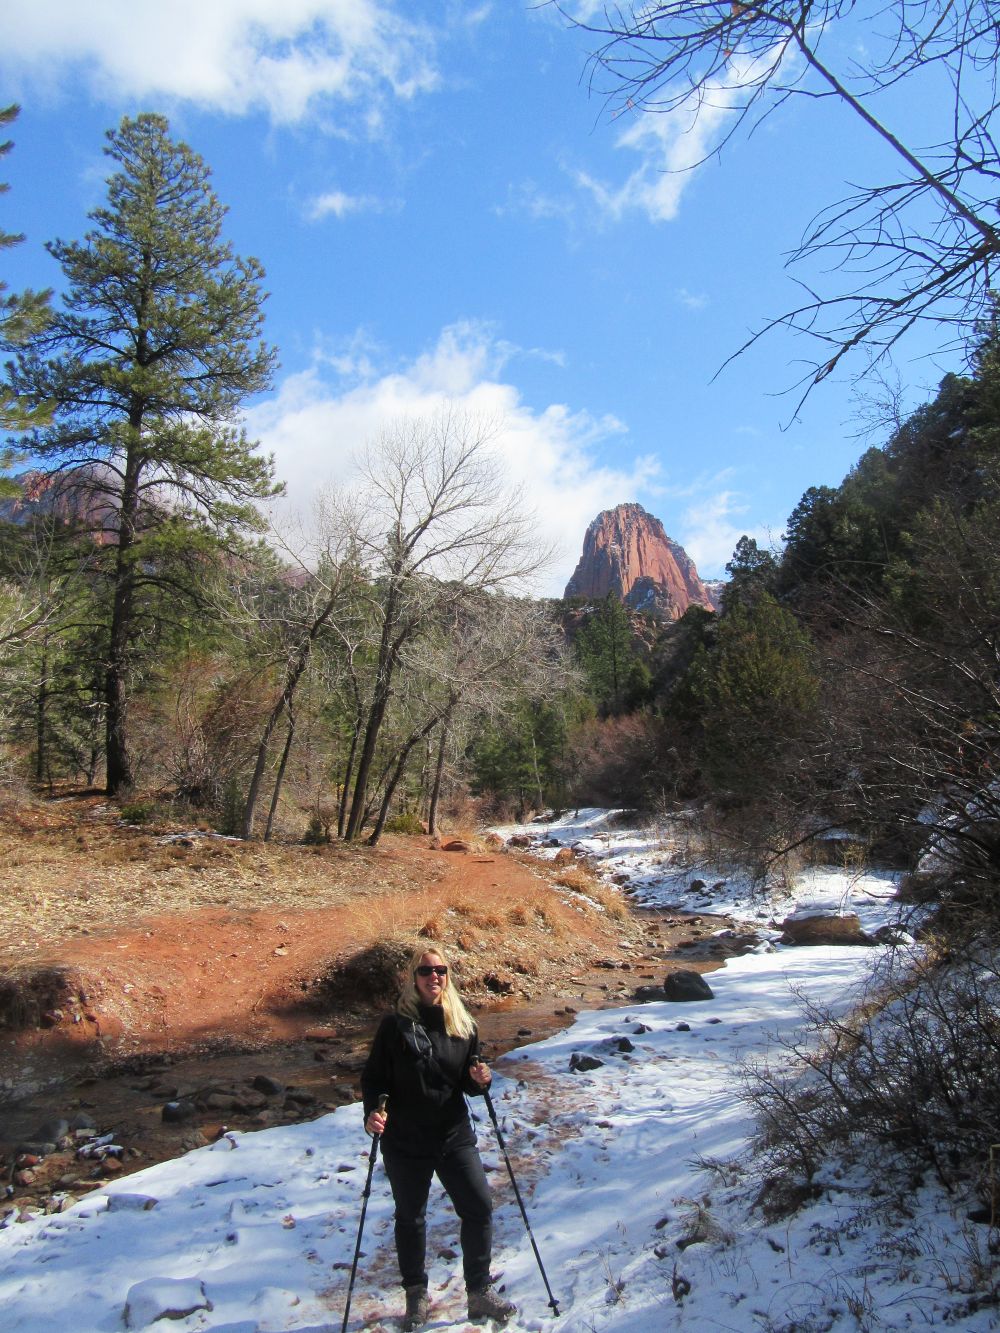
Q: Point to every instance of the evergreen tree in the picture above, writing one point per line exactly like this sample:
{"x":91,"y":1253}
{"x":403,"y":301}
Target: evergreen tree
{"x":751,"y":572}
{"x":758,"y":690}
{"x":147,"y":364}
{"x":605,"y":649}
{"x":21,"y":315}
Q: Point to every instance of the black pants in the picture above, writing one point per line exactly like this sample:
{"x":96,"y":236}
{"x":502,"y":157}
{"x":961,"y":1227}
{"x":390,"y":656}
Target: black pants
{"x":460,"y":1171}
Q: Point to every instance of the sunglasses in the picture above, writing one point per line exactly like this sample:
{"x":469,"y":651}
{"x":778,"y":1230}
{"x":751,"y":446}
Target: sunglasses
{"x":425,"y":970}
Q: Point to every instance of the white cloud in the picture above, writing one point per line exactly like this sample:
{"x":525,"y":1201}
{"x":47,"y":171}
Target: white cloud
{"x":340,"y":205}
{"x":319,"y":420}
{"x":710,"y":529}
{"x":692,"y":300}
{"x":671,"y":144}
{"x":674,"y":143}
{"x":234,"y":56}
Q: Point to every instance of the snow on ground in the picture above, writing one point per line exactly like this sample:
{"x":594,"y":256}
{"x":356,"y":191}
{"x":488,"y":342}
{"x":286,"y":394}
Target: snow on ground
{"x":637,"y":1230}
{"x":663,"y":872}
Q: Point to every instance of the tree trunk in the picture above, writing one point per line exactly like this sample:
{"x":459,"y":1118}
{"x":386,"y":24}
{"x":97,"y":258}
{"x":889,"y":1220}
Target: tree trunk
{"x":391,"y":785}
{"x":438,"y":772}
{"x":292,"y":678}
{"x":375,"y":716}
{"x":388,"y":654}
{"x":280,"y":777}
{"x":41,"y":702}
{"x":119,"y":776}
{"x":346,"y":786}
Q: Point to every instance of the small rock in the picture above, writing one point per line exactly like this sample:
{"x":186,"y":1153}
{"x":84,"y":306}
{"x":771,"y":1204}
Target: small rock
{"x":683,"y":1027}
{"x":174,"y":1113}
{"x":131,"y":1203}
{"x":220,"y":1101}
{"x":35,"y":1149}
{"x":300,"y":1097}
{"x":582,"y":1064}
{"x":164,"y":1298}
{"x":267,"y":1085}
{"x":317,"y":1034}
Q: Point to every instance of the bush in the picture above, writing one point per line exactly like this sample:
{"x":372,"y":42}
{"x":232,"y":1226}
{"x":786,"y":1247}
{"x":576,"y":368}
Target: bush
{"x":317,"y":832}
{"x":407,"y":821}
{"x":915,"y":1068}
{"x":136,"y":812}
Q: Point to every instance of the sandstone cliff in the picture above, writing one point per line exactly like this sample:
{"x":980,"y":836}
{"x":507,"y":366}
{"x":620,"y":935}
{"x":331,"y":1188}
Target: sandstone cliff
{"x":627,"y":552}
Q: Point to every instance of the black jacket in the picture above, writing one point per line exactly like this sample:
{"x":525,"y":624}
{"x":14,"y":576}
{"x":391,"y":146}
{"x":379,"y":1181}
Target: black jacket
{"x":425,"y":1073}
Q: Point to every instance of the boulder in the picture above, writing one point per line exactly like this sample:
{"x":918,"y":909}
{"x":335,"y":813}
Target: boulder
{"x":684,"y":986}
{"x":817,"y":928}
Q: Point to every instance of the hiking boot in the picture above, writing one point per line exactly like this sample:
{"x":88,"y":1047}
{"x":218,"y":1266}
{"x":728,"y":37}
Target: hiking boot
{"x":485,"y":1303}
{"x":417,"y":1309}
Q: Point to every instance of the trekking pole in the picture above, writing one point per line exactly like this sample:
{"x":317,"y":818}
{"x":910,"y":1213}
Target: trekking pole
{"x":383,"y":1099}
{"x":520,"y":1202}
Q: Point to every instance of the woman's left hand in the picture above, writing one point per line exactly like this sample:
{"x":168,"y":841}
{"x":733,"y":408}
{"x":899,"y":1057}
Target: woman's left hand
{"x":480,"y":1074}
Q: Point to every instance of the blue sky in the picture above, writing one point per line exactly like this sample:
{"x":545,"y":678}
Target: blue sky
{"x":445,"y":212}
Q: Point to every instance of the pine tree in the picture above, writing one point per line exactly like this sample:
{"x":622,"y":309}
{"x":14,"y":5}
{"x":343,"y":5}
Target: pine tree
{"x":21,"y":315}
{"x":156,"y":347}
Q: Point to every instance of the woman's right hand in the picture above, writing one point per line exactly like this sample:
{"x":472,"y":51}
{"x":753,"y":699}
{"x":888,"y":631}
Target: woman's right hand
{"x":375,"y":1124}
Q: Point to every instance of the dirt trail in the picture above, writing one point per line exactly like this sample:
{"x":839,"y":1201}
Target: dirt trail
{"x":140,"y":1006}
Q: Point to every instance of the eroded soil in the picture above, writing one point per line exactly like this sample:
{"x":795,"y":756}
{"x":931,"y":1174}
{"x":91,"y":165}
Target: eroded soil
{"x":144,"y":966}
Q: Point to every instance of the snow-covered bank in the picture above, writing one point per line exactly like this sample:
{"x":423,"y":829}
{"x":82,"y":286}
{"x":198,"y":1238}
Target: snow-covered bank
{"x":637,"y":1232}
{"x":661,"y":872}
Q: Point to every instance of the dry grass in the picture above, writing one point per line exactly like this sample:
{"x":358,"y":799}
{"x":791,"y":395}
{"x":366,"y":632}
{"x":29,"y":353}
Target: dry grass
{"x":70,"y":868}
{"x":583,"y":880}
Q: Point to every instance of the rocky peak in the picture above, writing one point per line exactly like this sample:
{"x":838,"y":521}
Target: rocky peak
{"x":626,"y":551}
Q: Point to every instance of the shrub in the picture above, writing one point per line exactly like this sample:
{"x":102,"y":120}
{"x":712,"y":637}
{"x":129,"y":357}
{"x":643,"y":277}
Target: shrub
{"x":136,"y":812}
{"x":407,"y":821}
{"x":915,"y":1068}
{"x":317,"y":833}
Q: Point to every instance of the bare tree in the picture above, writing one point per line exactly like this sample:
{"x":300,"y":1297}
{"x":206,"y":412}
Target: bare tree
{"x":919,"y":246}
{"x":442,"y":527}
{"x":487,"y":650}
{"x":284,"y":613}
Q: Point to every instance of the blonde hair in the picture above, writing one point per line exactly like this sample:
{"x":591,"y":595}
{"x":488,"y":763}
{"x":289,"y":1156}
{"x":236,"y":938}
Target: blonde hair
{"x":458,"y":1022}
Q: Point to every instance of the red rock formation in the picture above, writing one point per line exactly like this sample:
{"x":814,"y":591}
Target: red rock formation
{"x":627,"y":552}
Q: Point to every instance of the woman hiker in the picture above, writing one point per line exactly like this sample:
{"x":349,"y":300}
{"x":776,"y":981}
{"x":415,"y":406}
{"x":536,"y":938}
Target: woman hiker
{"x":426,"y":1056}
